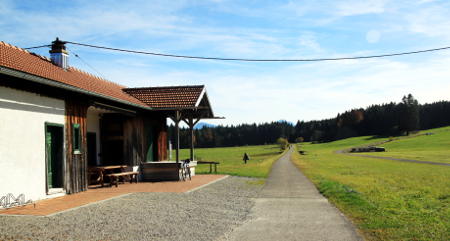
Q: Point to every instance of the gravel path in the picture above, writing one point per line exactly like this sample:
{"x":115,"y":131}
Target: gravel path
{"x":206,"y":214}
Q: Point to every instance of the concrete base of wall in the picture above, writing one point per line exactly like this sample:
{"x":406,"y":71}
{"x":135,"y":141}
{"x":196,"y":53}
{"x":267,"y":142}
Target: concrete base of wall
{"x":53,"y":195}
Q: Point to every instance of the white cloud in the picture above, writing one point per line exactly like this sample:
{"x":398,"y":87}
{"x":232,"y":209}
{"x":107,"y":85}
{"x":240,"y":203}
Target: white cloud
{"x":309,"y":40}
{"x":431,"y":21}
{"x":357,"y":7}
{"x":373,"y":36}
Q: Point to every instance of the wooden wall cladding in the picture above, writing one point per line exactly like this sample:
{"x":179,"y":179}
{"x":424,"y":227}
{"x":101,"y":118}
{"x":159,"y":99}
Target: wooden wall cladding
{"x":161,"y":130}
{"x":136,"y":138}
{"x":76,"y":163}
{"x":134,"y":141}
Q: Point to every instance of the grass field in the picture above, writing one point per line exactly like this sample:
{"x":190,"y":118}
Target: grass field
{"x":387,"y":200}
{"x":230,"y":158}
{"x":434,"y":147}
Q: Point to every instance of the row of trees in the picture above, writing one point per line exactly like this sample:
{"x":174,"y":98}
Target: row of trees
{"x":235,"y":135}
{"x":385,"y":120}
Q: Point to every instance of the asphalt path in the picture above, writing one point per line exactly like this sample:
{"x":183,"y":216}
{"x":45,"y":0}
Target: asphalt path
{"x":399,"y":159}
{"x":289,"y":207}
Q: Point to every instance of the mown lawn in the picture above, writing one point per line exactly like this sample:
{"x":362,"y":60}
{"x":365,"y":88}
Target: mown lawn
{"x":230,"y":158}
{"x":387,"y":200}
{"x":434,"y":147}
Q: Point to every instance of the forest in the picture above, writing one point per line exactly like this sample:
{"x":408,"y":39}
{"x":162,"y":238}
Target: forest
{"x":390,"y":119}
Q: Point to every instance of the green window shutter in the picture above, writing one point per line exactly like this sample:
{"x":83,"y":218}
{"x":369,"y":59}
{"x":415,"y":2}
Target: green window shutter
{"x":76,"y":136}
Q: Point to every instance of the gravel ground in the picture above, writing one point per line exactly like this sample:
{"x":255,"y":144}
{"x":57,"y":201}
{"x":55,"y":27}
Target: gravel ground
{"x":206,"y":214}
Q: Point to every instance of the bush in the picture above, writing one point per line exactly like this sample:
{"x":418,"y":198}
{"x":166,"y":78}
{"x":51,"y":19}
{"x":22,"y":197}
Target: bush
{"x":283,"y":142}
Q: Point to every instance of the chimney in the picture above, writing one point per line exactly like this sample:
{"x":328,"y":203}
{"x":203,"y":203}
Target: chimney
{"x":59,"y":54}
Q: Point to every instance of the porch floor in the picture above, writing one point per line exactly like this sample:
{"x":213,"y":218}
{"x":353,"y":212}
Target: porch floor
{"x":96,"y":194}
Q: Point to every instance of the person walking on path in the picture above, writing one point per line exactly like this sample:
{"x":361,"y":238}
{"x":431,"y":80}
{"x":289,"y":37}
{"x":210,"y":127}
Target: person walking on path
{"x":289,"y":207}
{"x":245,"y":158}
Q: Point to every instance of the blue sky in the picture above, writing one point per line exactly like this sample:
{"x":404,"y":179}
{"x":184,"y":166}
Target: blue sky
{"x":253,"y":92}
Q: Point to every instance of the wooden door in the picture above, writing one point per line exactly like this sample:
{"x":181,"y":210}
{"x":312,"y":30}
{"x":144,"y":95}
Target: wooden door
{"x":150,"y":148}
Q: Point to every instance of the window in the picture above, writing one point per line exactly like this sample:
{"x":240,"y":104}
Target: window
{"x":76,"y":132}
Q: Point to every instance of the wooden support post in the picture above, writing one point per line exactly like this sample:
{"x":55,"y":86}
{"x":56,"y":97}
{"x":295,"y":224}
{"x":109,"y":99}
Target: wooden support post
{"x":191,"y":123}
{"x":177,"y":119}
{"x":191,"y":127}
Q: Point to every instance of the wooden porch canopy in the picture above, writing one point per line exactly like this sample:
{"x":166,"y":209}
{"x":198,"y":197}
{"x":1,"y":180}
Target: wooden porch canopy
{"x":181,"y":103}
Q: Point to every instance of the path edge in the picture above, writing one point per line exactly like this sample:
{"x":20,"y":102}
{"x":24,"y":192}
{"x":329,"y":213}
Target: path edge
{"x":207,"y":184}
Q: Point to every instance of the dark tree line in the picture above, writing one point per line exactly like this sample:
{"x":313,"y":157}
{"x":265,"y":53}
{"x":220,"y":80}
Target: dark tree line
{"x":236,"y":135}
{"x":390,"y":119}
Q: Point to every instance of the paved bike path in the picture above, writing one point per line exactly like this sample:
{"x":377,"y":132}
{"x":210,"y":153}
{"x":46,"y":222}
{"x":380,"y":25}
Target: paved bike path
{"x":290,"y":208}
{"x":399,"y":159}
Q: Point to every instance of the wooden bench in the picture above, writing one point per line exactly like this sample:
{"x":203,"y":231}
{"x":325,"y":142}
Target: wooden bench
{"x":101,"y":171}
{"x":210,"y":165}
{"x":114,"y":177}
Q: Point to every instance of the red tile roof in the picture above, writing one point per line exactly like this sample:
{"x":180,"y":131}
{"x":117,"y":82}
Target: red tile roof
{"x":168,"y":97}
{"x":19,"y":59}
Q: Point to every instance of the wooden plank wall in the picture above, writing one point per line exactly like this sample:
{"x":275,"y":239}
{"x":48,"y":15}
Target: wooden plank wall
{"x":76,"y":164}
{"x":161,"y":139}
{"x":134,"y":141}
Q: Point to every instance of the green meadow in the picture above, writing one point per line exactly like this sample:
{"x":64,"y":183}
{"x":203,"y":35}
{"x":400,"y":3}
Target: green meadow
{"x":230,"y":158}
{"x":434,"y":146}
{"x":387,"y":200}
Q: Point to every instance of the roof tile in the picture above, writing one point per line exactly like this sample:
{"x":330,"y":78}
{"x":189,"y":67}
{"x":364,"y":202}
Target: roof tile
{"x":168,"y":97}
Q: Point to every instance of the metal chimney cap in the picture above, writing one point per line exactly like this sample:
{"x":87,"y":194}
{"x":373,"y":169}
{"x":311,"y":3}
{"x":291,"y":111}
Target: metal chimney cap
{"x":58,"y":46}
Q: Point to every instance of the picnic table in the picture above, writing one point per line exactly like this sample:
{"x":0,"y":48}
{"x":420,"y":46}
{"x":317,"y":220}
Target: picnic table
{"x":113,"y":172}
{"x":210,"y":165}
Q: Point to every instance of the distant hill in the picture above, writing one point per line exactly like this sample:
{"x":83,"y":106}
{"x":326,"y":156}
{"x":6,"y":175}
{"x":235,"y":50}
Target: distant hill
{"x":200,"y":125}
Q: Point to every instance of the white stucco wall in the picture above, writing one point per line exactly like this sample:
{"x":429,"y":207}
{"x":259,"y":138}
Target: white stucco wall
{"x":22,"y":141}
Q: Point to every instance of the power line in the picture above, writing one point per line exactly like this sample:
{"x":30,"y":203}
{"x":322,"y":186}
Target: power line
{"x":259,"y":60}
{"x":36,"y":47}
{"x":76,"y":55}
{"x":252,"y":60}
{"x":90,"y":66}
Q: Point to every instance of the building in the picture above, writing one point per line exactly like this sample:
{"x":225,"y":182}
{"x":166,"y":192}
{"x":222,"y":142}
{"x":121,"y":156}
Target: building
{"x":56,"y":121}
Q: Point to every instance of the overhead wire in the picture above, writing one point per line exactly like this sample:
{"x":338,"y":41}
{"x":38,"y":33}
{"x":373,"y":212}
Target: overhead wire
{"x":258,"y":60}
{"x":86,"y":63}
{"x":76,"y":55}
{"x":250,"y":59}
{"x":36,"y":47}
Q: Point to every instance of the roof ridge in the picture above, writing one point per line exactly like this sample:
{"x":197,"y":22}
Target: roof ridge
{"x":40,"y":56}
{"x":163,"y":87}
{"x":14,"y":46}
{"x":24,"y":50}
